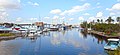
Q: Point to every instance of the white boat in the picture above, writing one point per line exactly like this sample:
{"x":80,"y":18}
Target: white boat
{"x":45,"y":30}
{"x":16,"y":28}
{"x":39,"y":32}
{"x":32,"y":30}
{"x":113,"y":44}
{"x":2,"y":28}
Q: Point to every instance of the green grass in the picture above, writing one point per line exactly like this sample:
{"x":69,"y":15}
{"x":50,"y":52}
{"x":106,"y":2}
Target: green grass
{"x":113,"y":34}
{"x":6,"y":34}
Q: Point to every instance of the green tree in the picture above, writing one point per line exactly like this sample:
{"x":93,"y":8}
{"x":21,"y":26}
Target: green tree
{"x":109,"y":20}
{"x":98,"y":20}
{"x":118,"y":20}
{"x":101,"y":20}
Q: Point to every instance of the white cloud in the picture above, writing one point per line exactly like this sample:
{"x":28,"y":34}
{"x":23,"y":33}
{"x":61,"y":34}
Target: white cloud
{"x":3,"y":16}
{"x":98,"y":3}
{"x":86,"y":14}
{"x":90,"y":19}
{"x":56,"y":17}
{"x":19,"y":19}
{"x":98,"y":6}
{"x":33,"y":4}
{"x":76,"y":9}
{"x":46,"y":17}
{"x":55,"y":11}
{"x":111,"y":14}
{"x":33,"y":19}
{"x":9,"y":4}
{"x":99,"y":14}
{"x":81,"y":18}
{"x":36,"y":4}
{"x":70,"y":19}
{"x":62,"y":18}
{"x":118,"y":0}
{"x":115,"y":7}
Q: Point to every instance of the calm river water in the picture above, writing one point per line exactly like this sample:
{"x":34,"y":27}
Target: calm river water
{"x":70,"y":42}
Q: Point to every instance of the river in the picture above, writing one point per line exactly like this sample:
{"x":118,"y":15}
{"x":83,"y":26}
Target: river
{"x":69,"y":42}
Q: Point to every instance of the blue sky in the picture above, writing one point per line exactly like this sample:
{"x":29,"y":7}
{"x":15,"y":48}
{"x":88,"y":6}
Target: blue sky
{"x":57,"y":11}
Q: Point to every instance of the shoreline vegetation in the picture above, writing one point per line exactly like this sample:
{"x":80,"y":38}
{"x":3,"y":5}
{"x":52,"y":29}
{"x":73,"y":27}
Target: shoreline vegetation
{"x":112,"y":35}
{"x":6,"y":34}
{"x":109,"y":29}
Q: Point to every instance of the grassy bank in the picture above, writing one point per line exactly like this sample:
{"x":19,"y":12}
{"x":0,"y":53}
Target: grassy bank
{"x":113,"y":34}
{"x":6,"y":34}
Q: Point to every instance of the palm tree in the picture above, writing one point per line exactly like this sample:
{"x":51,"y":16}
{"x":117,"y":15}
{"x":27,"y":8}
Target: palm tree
{"x":101,"y":20}
{"x":98,"y":20}
{"x":109,"y":20}
{"x":118,"y":20}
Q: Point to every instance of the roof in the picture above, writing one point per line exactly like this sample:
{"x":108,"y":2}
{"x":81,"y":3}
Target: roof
{"x":113,"y":39}
{"x":1,"y":27}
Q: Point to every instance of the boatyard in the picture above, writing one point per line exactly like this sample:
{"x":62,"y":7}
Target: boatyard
{"x":53,"y":41}
{"x":59,"y":27}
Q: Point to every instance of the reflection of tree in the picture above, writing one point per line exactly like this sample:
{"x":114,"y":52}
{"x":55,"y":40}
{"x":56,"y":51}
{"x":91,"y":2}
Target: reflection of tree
{"x":100,"y":39}
{"x":84,"y":34}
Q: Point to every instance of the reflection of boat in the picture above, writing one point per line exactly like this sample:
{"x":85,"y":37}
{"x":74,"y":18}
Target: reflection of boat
{"x":54,"y":28}
{"x":112,"y":44}
{"x":32,"y":34}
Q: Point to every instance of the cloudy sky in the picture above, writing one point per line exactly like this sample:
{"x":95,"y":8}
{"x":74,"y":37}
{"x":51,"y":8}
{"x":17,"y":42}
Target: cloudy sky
{"x":57,"y":11}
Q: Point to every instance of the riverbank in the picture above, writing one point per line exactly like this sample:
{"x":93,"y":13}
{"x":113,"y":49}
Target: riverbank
{"x":8,"y":36}
{"x":104,"y":34}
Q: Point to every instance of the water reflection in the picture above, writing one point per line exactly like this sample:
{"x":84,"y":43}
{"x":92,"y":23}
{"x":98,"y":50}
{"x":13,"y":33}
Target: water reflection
{"x":9,"y":48}
{"x":99,"y":39}
{"x":69,"y":42}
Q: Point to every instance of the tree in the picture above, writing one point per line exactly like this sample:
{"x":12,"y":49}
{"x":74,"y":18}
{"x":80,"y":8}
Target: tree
{"x":98,"y":20}
{"x":118,"y":20}
{"x":101,"y":20}
{"x":84,"y":24}
{"x":109,"y":20}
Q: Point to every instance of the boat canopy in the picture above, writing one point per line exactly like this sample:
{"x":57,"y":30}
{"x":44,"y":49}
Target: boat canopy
{"x":113,"y":39}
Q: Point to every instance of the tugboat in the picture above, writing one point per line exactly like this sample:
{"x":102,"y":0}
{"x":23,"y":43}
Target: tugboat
{"x":113,"y":44}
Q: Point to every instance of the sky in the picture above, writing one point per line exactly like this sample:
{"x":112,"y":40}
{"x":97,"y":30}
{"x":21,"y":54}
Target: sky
{"x":58,"y":11}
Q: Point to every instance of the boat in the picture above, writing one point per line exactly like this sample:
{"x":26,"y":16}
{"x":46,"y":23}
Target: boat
{"x":17,"y":29}
{"x":53,"y":28}
{"x":113,"y":44}
{"x":5,"y":29}
{"x":46,"y":30}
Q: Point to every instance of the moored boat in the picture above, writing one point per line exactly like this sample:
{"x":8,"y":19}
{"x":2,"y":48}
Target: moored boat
{"x":113,"y":44}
